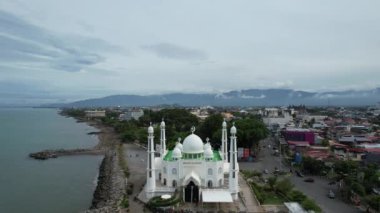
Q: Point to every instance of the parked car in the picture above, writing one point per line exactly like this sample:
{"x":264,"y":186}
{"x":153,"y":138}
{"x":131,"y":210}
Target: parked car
{"x":309,"y":180}
{"x":331,"y":194}
{"x":332,"y":183}
{"x":299,"y":174}
{"x":266,"y":171}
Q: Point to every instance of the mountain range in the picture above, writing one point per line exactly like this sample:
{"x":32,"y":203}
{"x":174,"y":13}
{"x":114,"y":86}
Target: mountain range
{"x":249,"y":97}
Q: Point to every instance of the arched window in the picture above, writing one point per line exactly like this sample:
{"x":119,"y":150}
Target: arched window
{"x":159,"y":176}
{"x":164,"y":181}
{"x":209,"y":171}
{"x":174,"y":171}
{"x":174,"y":184}
{"x":220,"y":170}
{"x":209,"y":184}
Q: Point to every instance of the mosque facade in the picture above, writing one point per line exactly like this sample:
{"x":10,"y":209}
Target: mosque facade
{"x":193,"y":167}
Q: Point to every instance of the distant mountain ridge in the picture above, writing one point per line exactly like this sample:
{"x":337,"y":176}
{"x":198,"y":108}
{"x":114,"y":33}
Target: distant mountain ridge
{"x":250,"y":97}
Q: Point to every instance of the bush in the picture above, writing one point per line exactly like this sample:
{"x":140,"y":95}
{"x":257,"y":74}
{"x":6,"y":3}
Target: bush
{"x":284,"y":186}
{"x":373,"y":201}
{"x":259,"y":192}
{"x":297,"y":196}
{"x":125,"y":203}
{"x":159,"y":202}
{"x":310,"y":205}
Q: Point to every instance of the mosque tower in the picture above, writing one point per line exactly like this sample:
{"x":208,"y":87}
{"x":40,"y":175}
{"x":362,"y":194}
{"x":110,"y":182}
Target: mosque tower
{"x":224,"y":142}
{"x":162,"y":140}
{"x":234,"y":166}
{"x":151,"y":179}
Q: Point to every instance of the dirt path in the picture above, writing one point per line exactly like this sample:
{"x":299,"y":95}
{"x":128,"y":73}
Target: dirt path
{"x":136,"y":160}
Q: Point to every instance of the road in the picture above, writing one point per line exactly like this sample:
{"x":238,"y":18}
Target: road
{"x":317,"y":190}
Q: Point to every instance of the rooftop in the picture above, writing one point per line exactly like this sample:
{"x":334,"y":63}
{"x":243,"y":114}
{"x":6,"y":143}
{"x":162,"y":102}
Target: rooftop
{"x":216,"y":156}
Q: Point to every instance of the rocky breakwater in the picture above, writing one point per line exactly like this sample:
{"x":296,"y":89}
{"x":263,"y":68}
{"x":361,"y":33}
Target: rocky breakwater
{"x":46,"y":154}
{"x":111,"y":187}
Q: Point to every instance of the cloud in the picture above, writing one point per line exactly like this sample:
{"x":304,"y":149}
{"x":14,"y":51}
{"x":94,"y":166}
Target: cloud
{"x":253,"y":97}
{"x":172,"y":51}
{"x":24,"y":42}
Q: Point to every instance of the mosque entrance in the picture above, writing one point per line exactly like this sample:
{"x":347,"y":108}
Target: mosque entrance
{"x":192,"y":193}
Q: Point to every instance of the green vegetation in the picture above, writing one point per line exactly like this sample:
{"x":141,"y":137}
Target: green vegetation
{"x":250,"y":131}
{"x":157,"y":202}
{"x":313,"y":166}
{"x":309,"y":204}
{"x":357,"y":180}
{"x":178,"y":124}
{"x":278,"y":191}
{"x":76,"y":113}
{"x":325,"y":142}
{"x":374,"y":202}
{"x":211,"y":127}
{"x":125,"y":202}
{"x":122,"y":162}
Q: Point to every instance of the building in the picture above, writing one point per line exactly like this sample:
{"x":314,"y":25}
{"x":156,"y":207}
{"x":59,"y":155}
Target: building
{"x":294,"y":207}
{"x":275,"y":117}
{"x":299,"y":135}
{"x":95,"y":113}
{"x":193,"y":168}
{"x":131,"y":114}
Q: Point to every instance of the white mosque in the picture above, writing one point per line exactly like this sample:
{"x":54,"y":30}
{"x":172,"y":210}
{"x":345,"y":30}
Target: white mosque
{"x":193,"y":168}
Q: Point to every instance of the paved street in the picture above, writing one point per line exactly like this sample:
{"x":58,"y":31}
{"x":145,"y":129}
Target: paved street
{"x":317,"y":190}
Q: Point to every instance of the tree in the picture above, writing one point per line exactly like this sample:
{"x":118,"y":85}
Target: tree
{"x":211,"y":128}
{"x":358,"y":188}
{"x":374,"y":201}
{"x":250,"y":131}
{"x":346,"y":167}
{"x":313,"y":166}
{"x":325,"y":142}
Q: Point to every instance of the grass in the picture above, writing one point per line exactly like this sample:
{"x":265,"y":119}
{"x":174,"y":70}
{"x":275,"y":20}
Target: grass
{"x":272,"y":198}
{"x":122,"y":161}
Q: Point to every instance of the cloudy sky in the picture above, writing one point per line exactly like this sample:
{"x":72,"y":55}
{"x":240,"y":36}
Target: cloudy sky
{"x":54,"y":51}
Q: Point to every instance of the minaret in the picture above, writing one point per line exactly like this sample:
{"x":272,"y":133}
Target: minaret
{"x":162,"y":140}
{"x":224,"y":142}
{"x":234,"y":167}
{"x":150,"y":171}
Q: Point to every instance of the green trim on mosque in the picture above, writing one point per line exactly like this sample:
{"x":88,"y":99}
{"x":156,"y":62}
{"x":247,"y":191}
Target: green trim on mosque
{"x":198,"y":156}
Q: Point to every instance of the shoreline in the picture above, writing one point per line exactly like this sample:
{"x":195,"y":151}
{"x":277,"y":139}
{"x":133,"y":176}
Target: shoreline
{"x":111,"y":182}
{"x":111,"y":186}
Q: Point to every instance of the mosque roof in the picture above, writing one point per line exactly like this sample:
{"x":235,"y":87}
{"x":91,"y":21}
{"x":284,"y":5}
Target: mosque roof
{"x":193,"y":144}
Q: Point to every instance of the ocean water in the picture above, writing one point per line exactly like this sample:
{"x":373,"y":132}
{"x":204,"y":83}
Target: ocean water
{"x":64,"y":184}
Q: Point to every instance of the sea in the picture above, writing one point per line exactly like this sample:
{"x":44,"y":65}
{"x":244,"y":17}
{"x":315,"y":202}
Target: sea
{"x":64,"y":184}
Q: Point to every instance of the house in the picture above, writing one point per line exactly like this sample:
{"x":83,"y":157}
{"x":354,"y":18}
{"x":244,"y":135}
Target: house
{"x":131,"y":114}
{"x":95,"y":114}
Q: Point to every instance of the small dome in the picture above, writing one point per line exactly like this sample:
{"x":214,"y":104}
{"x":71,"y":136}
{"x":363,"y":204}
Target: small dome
{"x":177,"y":153}
{"x":224,"y":123}
{"x":207,"y":146}
{"x":162,"y":123}
{"x":193,"y":144}
{"x":233,"y":130}
{"x":208,"y":153}
{"x":179,"y":146}
{"x":150,"y":130}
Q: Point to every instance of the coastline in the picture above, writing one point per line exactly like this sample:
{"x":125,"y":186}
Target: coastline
{"x":111,"y":182}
